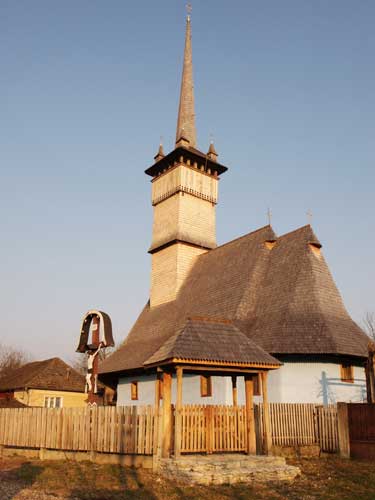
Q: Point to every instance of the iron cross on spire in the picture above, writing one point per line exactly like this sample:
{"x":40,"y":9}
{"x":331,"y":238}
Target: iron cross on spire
{"x":189,"y":9}
{"x":269,"y":215}
{"x":309,"y":216}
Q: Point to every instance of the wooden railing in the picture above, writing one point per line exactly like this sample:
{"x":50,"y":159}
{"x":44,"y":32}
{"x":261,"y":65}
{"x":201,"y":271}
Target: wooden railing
{"x":301,"y":424}
{"x":213,"y":428}
{"x":126,"y":429}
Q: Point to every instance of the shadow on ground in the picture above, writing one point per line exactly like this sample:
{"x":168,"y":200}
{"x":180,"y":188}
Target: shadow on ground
{"x":17,"y":475}
{"x":125,"y":484}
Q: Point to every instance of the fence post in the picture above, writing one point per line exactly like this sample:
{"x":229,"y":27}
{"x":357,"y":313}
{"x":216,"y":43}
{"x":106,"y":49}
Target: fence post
{"x":93,"y":435}
{"x":258,"y":428}
{"x":343,"y":429}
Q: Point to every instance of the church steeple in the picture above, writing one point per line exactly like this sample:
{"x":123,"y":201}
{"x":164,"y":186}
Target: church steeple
{"x":184,"y":196}
{"x":186,"y":134}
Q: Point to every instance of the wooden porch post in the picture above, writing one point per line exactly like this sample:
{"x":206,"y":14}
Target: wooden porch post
{"x":250,"y":421}
{"x":178,"y":422}
{"x":157,"y":427}
{"x":234,"y":391}
{"x":167,"y":415}
{"x":267,"y":436}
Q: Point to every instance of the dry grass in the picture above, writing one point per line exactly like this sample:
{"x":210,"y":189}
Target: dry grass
{"x":326,"y":478}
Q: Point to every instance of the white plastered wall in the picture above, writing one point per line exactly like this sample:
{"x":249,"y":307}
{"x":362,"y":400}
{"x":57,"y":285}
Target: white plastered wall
{"x":221,"y":390}
{"x":318,"y":383}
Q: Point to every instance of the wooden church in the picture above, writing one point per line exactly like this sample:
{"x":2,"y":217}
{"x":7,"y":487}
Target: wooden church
{"x":259,"y":315}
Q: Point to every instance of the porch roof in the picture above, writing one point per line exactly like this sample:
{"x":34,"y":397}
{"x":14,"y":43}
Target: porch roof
{"x":212,"y":340}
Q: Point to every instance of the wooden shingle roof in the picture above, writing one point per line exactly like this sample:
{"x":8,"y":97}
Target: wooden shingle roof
{"x":52,"y":374}
{"x":300,"y":309}
{"x":209,"y":339}
{"x":11,"y":403}
{"x":281,"y":296}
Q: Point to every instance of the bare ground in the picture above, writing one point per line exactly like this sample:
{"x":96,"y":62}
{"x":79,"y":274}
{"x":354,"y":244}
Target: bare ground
{"x":329,"y":478}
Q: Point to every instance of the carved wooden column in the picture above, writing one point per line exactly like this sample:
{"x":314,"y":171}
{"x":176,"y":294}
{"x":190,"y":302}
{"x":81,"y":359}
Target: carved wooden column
{"x":267,"y":436}
{"x":167,"y":415}
{"x":250,"y":421}
{"x":234,"y":391}
{"x":157,"y":416}
{"x":178,"y":417}
{"x":93,"y":398}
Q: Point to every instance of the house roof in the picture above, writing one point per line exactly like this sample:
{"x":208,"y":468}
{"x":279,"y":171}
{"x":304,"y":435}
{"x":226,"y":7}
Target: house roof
{"x":52,"y":374}
{"x":208,"y":339}
{"x":11,"y":403}
{"x":281,"y":296}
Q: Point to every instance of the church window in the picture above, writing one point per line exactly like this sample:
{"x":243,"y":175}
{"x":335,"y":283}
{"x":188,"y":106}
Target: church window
{"x":206,"y":386}
{"x":315,"y":248}
{"x":347,"y":373}
{"x":256,"y":385}
{"x":134,"y":390}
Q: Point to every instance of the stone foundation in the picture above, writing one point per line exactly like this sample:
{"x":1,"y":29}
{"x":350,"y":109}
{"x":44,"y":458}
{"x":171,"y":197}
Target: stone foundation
{"x":298,"y":451}
{"x":136,"y":461}
{"x":227,"y":469}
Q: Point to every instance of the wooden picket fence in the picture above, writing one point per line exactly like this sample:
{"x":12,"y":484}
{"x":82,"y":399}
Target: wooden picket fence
{"x":301,"y":424}
{"x":133,"y":429}
{"x":213,"y":428}
{"x":122,"y":429}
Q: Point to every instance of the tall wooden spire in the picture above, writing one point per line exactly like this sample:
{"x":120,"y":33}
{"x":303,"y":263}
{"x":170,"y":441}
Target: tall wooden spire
{"x":186,"y":117}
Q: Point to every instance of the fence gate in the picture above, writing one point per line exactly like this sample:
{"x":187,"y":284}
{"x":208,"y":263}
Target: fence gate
{"x":326,"y":428}
{"x":213,"y":429}
{"x":361,"y":420}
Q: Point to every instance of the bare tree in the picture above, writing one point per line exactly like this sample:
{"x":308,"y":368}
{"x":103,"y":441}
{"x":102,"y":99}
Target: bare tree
{"x":105,"y":353}
{"x":79,"y":363}
{"x":369,"y":324}
{"x":11,"y":359}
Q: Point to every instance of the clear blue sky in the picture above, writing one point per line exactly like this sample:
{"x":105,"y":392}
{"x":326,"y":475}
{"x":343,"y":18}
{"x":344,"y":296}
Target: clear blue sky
{"x":88,"y":87}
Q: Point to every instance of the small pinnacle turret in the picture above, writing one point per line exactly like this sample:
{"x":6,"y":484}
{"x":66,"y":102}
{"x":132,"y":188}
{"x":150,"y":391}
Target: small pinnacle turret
{"x":212,"y":154}
{"x":186,"y":133}
{"x":160,"y":154}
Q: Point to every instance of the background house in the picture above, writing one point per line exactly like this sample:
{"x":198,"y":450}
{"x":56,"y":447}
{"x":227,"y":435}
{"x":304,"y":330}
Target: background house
{"x":50,"y":383}
{"x":10,"y":402}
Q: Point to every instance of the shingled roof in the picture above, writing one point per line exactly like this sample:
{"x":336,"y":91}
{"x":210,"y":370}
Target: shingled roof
{"x":11,"y":403}
{"x":52,"y":374}
{"x":209,"y":339}
{"x":281,"y":296}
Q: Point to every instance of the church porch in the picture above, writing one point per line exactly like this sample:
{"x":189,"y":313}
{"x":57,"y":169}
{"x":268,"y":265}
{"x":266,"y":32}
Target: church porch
{"x":207,"y":347}
{"x":185,"y":429}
